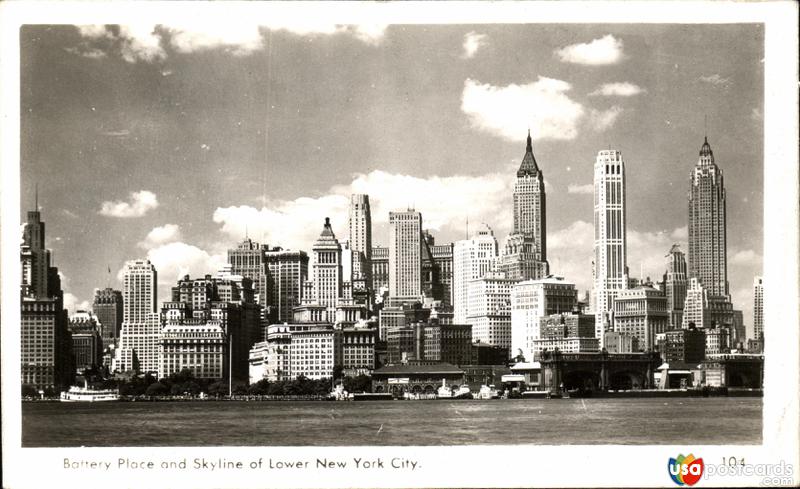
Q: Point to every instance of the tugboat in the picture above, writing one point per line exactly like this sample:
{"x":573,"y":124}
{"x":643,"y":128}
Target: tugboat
{"x":87,"y":394}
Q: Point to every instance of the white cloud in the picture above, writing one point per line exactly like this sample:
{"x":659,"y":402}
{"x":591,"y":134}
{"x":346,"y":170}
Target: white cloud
{"x":146,"y":42}
{"x":619,"y":89}
{"x":581,"y":189}
{"x":141,"y":42}
{"x":443,"y":201}
{"x":472,"y":42}
{"x":140,"y":203}
{"x":716,"y":80}
{"x":680,"y":234}
{"x":507,"y":111}
{"x":746,"y":257}
{"x":73,"y":304}
{"x":174,"y":260}
{"x":92,"y":53}
{"x":190,"y":37}
{"x":161,"y":235}
{"x":604,"y":119}
{"x":570,"y":252}
{"x":603,"y":51}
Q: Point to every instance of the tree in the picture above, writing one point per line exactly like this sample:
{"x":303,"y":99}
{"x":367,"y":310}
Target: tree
{"x":359,"y":383}
{"x":156,"y":389}
{"x":337,"y":372}
{"x":29,"y":391}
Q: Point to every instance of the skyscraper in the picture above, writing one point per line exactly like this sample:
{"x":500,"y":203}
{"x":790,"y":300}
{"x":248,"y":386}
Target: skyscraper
{"x":610,"y":247}
{"x":141,"y":323}
{"x":675,"y":285}
{"x":286,"y":272}
{"x":326,"y":273}
{"x":248,"y":260}
{"x":707,"y":227}
{"x":758,"y":308}
{"x":529,"y":202}
{"x":45,"y":341}
{"x":405,"y":254}
{"x":472,"y":258}
{"x":360,"y":225}
{"x":108,"y":309}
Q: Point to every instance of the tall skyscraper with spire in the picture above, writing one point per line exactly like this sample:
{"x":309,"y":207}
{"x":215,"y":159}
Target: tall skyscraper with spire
{"x":326,"y":268}
{"x":707,"y":226}
{"x":610,"y":245}
{"x":524,"y":253}
{"x":529,"y":202}
{"x":45,"y":341}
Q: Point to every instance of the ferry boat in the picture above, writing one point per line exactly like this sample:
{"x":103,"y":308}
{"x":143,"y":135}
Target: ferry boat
{"x":462,"y":392}
{"x":488,"y":392}
{"x":444,"y":392}
{"x":87,"y":394}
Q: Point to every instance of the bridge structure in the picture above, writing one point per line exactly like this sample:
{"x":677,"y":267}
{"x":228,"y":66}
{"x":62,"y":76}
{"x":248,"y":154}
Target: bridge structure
{"x":734,"y":370}
{"x":598,"y":370}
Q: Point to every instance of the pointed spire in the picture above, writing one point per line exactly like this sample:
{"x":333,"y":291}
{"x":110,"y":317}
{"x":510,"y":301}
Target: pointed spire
{"x":528,"y":166}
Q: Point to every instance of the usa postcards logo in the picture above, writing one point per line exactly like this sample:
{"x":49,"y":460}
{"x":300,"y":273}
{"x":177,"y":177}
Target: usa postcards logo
{"x":686,"y":471}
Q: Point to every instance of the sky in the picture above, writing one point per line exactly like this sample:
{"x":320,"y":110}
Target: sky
{"x":172,"y":142}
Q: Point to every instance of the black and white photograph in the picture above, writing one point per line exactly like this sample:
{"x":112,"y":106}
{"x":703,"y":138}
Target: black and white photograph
{"x":334,"y":239}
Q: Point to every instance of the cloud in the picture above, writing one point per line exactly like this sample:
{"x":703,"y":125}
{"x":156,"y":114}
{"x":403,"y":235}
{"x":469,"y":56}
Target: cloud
{"x":581,"y":189}
{"x":472,"y":42}
{"x":241,"y":39}
{"x":604,"y":119}
{"x":746,"y":257}
{"x":445,"y":202}
{"x":570,"y":252}
{"x":147,"y":42}
{"x":176,"y":259}
{"x":606,"y":50}
{"x":680,"y":234}
{"x":161,"y":235}
{"x":140,"y":42}
{"x":140,"y":203}
{"x":716,"y":80}
{"x":86,"y":52}
{"x":620,"y":89}
{"x":73,"y":304}
{"x":507,"y":111}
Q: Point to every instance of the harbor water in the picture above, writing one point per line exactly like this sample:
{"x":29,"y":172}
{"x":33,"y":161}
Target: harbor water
{"x":715,"y":420}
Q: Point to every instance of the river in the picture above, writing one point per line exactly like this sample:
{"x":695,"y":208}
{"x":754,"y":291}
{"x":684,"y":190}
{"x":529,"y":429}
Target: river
{"x":686,"y":421}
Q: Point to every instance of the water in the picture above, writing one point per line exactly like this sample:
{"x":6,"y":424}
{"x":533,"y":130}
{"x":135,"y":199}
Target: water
{"x":718,"y":420}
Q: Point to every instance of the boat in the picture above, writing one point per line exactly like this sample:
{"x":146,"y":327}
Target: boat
{"x":87,"y":394}
{"x":339,"y":394}
{"x":444,"y":392}
{"x":488,"y":392}
{"x":462,"y":392}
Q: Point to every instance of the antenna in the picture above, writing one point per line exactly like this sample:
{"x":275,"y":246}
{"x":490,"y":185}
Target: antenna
{"x":705,"y":126}
{"x":36,"y":198}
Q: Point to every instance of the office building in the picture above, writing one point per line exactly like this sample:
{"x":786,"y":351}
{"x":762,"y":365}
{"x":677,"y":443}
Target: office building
{"x":358,"y":351}
{"x":684,"y":345}
{"x":674,"y":285}
{"x":758,"y":308}
{"x":472,"y":259}
{"x":489,"y":309}
{"x":442,"y":255}
{"x":707,"y":225}
{"x":533,"y":300}
{"x":287,"y":270}
{"x":197,"y":345}
{"x":380,"y":271}
{"x":45,"y":342}
{"x":248,"y":261}
{"x":564,"y":345}
{"x":529,"y":204}
{"x":610,"y":246}
{"x":641,"y":312}
{"x":141,"y":323}
{"x":621,"y":342}
{"x":718,"y":341}
{"x":566,"y":325}
{"x":359,"y":224}
{"x":315,"y":352}
{"x":87,"y":343}
{"x":107,"y":307}
{"x":405,"y":254}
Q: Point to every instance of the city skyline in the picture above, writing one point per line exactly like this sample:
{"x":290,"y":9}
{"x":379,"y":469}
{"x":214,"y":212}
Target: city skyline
{"x":192,"y":233}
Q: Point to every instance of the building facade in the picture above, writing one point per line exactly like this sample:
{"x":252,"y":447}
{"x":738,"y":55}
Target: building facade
{"x":489,"y":306}
{"x":675,"y":279}
{"x":107,"y":307}
{"x":758,"y":308}
{"x":443,"y":262}
{"x":472,"y":259}
{"x":610,"y":245}
{"x":359,"y":224}
{"x":529,"y":203}
{"x":533,"y":300}
{"x":707,"y":225}
{"x":405,"y":254}
{"x":197,"y":345}
{"x":315,"y":352}
{"x":380,"y":270}
{"x":138,"y":342}
{"x":641,"y":312}
{"x":87,"y":343}
{"x":287,"y":270}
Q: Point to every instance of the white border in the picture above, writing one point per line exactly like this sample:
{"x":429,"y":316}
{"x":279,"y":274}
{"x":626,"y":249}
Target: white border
{"x":478,"y":466}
